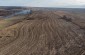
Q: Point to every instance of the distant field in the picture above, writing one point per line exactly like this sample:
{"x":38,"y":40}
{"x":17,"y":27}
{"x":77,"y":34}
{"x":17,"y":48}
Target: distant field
{"x":10,"y":21}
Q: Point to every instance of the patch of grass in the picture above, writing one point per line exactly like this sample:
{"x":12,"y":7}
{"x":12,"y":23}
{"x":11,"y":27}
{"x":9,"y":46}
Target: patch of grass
{"x":1,"y":27}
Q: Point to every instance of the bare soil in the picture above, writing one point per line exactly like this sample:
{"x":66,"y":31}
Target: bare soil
{"x":43,"y":33}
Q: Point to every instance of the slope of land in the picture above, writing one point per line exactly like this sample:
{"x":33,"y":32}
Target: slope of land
{"x":43,"y":33}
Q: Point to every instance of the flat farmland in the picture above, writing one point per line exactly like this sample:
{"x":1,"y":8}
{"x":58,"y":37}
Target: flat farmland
{"x":44,"y":33}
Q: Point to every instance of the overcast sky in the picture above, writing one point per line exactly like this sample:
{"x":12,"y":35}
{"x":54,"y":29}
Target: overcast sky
{"x":43,"y":3}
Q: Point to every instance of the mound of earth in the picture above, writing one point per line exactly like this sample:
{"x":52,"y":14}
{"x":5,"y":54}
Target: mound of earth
{"x":43,"y":33}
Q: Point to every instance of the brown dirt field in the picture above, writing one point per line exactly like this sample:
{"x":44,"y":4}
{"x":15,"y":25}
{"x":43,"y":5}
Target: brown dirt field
{"x":43,"y":33}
